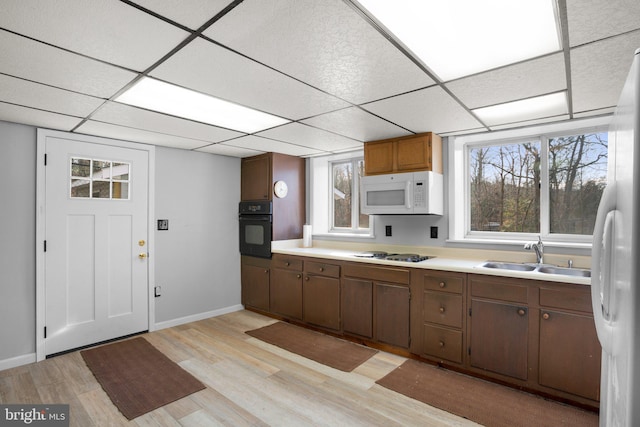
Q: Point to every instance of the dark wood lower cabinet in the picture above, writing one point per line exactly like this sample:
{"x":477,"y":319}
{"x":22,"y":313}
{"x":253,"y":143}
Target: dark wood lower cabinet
{"x":357,"y":307}
{"x":499,"y":338}
{"x":255,"y":274}
{"x":286,"y":293}
{"x":321,"y":301}
{"x":392,"y":314}
{"x":570,"y":354}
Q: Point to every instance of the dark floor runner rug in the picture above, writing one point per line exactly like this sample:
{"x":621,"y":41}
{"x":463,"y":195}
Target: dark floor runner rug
{"x":330,"y":351}
{"x":483,"y":402}
{"x":137,"y":377}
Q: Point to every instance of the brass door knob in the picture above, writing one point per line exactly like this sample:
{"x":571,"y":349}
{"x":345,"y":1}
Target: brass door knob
{"x":142,"y":255}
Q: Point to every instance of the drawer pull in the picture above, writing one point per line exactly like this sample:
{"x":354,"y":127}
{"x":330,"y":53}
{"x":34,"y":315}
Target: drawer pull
{"x":441,"y":344}
{"x":287,"y":264}
{"x":521,"y":312}
{"x":441,"y":309}
{"x":299,"y":276}
{"x":321,"y":269}
{"x":546,"y":316}
{"x":306,"y":278}
{"x":442,"y":284}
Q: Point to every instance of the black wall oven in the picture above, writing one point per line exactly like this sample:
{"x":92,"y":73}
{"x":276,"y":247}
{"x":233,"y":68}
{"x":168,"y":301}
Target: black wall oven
{"x":255,"y":228}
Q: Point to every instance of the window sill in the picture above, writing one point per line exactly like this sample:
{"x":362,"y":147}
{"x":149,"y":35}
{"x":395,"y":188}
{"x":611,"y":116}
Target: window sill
{"x":516,"y":242}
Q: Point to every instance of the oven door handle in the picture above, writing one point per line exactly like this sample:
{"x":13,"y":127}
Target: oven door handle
{"x":256,"y":218}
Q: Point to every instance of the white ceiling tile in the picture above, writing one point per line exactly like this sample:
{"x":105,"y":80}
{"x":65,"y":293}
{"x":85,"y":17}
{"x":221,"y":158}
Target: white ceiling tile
{"x":324,"y":43}
{"x":463,"y":132}
{"x":124,"y":133}
{"x":307,"y":136}
{"x":264,"y":144}
{"x":36,"y":95}
{"x":598,"y":112}
{"x":109,"y":30}
{"x":39,"y":118}
{"x":133,"y":117}
{"x":524,"y":123}
{"x":427,"y":110}
{"x":192,"y":15}
{"x":228,"y":150}
{"x":599,"y":70}
{"x":358,"y":124}
{"x":206,"y":67}
{"x":591,"y":20}
{"x":523,"y":80}
{"x":36,"y":61}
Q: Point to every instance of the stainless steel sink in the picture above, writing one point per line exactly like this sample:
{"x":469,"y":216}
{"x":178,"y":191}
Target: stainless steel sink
{"x":549,"y":269}
{"x":536,"y":268}
{"x":514,"y":266}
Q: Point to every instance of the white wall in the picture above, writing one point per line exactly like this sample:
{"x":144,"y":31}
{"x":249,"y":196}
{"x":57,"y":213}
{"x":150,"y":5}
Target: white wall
{"x":17,"y":240}
{"x":197,"y":261}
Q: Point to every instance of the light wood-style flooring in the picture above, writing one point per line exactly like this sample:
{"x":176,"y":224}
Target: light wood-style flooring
{"x":248,"y":382}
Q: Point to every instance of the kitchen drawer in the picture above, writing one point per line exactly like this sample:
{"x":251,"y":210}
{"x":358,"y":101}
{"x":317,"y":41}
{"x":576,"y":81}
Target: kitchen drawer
{"x":566,"y":298}
{"x":452,"y":284}
{"x":499,"y":289}
{"x":442,"y":308}
{"x":322,"y":269}
{"x":443,"y":343}
{"x":286,"y":262}
{"x":377,"y":274}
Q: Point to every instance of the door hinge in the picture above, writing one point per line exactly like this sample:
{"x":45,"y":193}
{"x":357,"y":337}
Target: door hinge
{"x":469,"y":311}
{"x":45,"y":159}
{"x":45,"y":331}
{"x":45,"y":246}
{"x":469,"y":351}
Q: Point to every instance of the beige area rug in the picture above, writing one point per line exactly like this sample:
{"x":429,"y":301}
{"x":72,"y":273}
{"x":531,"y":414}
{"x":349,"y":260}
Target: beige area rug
{"x":137,"y":377}
{"x":325,"y":349}
{"x":481,"y":401}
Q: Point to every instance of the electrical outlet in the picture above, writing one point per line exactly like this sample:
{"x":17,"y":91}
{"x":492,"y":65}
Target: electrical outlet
{"x":157,"y":291}
{"x":387,"y":230}
{"x":434,"y":232}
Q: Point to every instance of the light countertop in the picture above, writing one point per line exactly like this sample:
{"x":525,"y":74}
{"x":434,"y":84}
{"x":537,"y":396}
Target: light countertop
{"x":444,"y":259}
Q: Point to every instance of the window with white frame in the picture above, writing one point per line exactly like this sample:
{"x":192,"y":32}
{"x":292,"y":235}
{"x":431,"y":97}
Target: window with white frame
{"x":548,"y":183}
{"x":334,"y":202}
{"x":345,"y":197}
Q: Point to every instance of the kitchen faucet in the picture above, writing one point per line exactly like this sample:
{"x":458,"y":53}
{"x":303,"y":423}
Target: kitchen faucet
{"x":538,"y":247}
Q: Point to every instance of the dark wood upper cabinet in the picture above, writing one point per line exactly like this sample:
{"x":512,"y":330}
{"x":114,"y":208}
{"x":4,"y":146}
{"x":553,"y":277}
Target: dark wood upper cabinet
{"x":258,"y":176}
{"x":406,"y":154}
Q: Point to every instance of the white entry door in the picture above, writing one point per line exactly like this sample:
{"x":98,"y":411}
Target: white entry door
{"x":95,"y":261}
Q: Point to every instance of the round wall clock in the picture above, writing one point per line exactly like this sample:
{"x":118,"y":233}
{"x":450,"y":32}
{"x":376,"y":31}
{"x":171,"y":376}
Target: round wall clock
{"x":280,"y":189}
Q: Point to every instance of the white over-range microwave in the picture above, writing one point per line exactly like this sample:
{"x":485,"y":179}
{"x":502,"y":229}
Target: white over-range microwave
{"x":402,"y":193}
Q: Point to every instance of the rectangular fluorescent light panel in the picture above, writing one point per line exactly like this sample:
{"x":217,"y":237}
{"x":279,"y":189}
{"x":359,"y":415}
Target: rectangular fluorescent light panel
{"x":527,"y":109}
{"x":166,"y":98}
{"x":457,"y":38}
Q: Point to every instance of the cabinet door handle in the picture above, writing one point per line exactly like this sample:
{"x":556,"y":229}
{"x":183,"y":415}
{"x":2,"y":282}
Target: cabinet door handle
{"x":521,"y":312}
{"x":321,"y":269}
{"x":306,"y":278}
{"x":441,"y":344}
{"x":287,"y":264}
{"x":266,"y":271}
{"x":441,"y":309}
{"x":546,"y":316}
{"x":442,"y":284}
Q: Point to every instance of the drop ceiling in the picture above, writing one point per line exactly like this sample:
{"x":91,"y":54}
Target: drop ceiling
{"x":327,"y":67}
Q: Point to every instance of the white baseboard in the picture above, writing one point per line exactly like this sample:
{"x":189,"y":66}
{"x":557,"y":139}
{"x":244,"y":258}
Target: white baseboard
{"x":13,"y":362}
{"x":196,"y":317}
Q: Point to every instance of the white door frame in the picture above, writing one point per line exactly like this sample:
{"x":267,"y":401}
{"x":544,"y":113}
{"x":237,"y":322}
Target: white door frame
{"x":43,"y":134}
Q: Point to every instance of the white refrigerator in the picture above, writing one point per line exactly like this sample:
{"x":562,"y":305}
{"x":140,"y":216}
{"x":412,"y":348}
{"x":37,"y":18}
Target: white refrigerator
{"x":615,"y":283}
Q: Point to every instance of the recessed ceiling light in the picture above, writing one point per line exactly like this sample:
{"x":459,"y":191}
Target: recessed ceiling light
{"x":166,"y":98}
{"x":456,"y":38}
{"x":527,"y":109}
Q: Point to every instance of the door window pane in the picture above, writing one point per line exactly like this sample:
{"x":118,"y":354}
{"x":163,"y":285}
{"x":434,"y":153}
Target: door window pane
{"x":577,"y":177}
{"x":505,"y":187}
{"x":99,"y":179}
